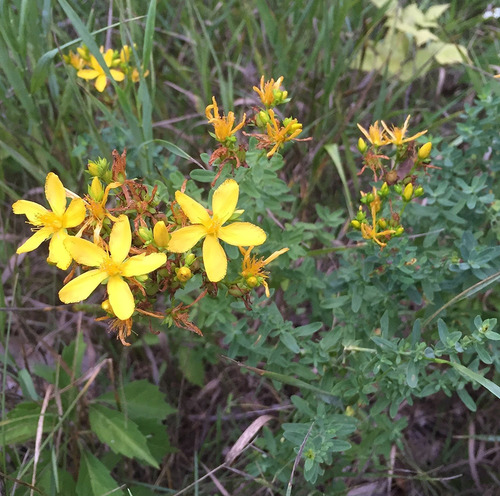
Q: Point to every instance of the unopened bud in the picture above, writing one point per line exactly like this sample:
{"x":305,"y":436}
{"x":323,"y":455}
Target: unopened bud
{"x":189,"y":259}
{"x":408,"y":192}
{"x":384,"y":190}
{"x":418,"y":192}
{"x":400,"y":230}
{"x":145,"y":234}
{"x":161,"y":234}
{"x":398,"y":189}
{"x":425,"y":151}
{"x":236,"y":215}
{"x":262,"y":118}
{"x":106,"y":306}
{"x":382,"y":223}
{"x":362,"y":146}
{"x":356,"y":224}
{"x":96,"y":191}
{"x":184,"y":274}
{"x":252,"y":281}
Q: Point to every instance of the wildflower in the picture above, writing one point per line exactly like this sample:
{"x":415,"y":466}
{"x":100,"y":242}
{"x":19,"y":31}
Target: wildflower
{"x":51,"y":223}
{"x":114,"y":267}
{"x":252,"y":268}
{"x":397,"y":135}
{"x":223,"y":126}
{"x":270,"y":93}
{"x":97,"y":72}
{"x":125,"y":61}
{"x":279,"y":135}
{"x":375,"y":135}
{"x":212,"y":229}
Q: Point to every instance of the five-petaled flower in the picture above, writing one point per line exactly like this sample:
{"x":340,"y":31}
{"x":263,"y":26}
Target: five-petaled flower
{"x":252,"y":267}
{"x":397,"y":135}
{"x":223,"y":126}
{"x":114,"y":267}
{"x":51,"y":223}
{"x":212,"y":228}
{"x":375,"y":134}
{"x":97,"y":72}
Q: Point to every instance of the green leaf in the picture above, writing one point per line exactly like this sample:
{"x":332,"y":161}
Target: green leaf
{"x":412,"y":374}
{"x":202,"y":176}
{"x":141,"y":400}
{"x":27,"y":386}
{"x":467,"y":399}
{"x":443,"y":331}
{"x":94,"y":478}
{"x":120,"y":434}
{"x":469,"y":374}
{"x":339,"y":445}
{"x":290,"y":342}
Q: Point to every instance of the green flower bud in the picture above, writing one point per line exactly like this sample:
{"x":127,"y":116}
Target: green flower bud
{"x":398,"y":189}
{"x":189,"y":259}
{"x":356,"y":224}
{"x":362,"y":146}
{"x":384,"y":190}
{"x":382,"y":223}
{"x":145,"y":234}
{"x":418,"y":192}
{"x":400,"y":230}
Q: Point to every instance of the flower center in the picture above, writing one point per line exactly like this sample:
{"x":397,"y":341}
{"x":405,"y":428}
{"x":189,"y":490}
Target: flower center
{"x":214,"y":226}
{"x":111,"y":267}
{"x":51,"y":220}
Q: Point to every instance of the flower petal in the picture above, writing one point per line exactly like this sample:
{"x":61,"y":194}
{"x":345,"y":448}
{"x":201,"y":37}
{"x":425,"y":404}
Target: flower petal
{"x":35,"y":241}
{"x":120,"y":239}
{"x":75,"y":213}
{"x":117,"y":75}
{"x":56,"y":196}
{"x":120,"y":297}
{"x":58,"y":254}
{"x":143,"y":264}
{"x":185,"y":238}
{"x":100,"y":83}
{"x":32,"y":210}
{"x":214,"y":258}
{"x":225,"y":199}
{"x":195,"y":212}
{"x":87,"y":73}
{"x":242,"y":234}
{"x":80,"y":288}
{"x":85,"y":252}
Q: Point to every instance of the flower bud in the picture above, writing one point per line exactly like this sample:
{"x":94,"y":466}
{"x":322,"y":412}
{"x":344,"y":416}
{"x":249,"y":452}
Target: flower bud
{"x":184,"y":274}
{"x":106,"y":306}
{"x":96,"y":191}
{"x":98,"y":168}
{"x":262,"y":118}
{"x":400,"y":230}
{"x":145,"y":234}
{"x":360,"y":216}
{"x":425,"y":151}
{"x":384,"y":190}
{"x":356,"y":224}
{"x":382,"y":223}
{"x":408,"y":192}
{"x":161,"y":234}
{"x":236,"y":215}
{"x":398,"y":189}
{"x":252,"y":281}
{"x":369,"y":197}
{"x":237,"y":292}
{"x":189,"y":259}
{"x":418,"y":192}
{"x":362,"y":146}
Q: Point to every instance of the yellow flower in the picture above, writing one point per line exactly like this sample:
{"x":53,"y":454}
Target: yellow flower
{"x":97,"y":72}
{"x":74,"y":59}
{"x":251,"y":268}
{"x":269,"y":92}
{"x":51,"y":223}
{"x":211,"y":228}
{"x":223,"y":126}
{"x":375,"y":135}
{"x":397,"y":135}
{"x":114,"y":267}
{"x":279,"y":135}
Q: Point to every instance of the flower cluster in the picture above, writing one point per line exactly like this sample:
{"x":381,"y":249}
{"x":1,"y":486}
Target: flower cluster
{"x":118,"y":63}
{"x":143,"y":251}
{"x":274,"y":132}
{"x":395,"y":178}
